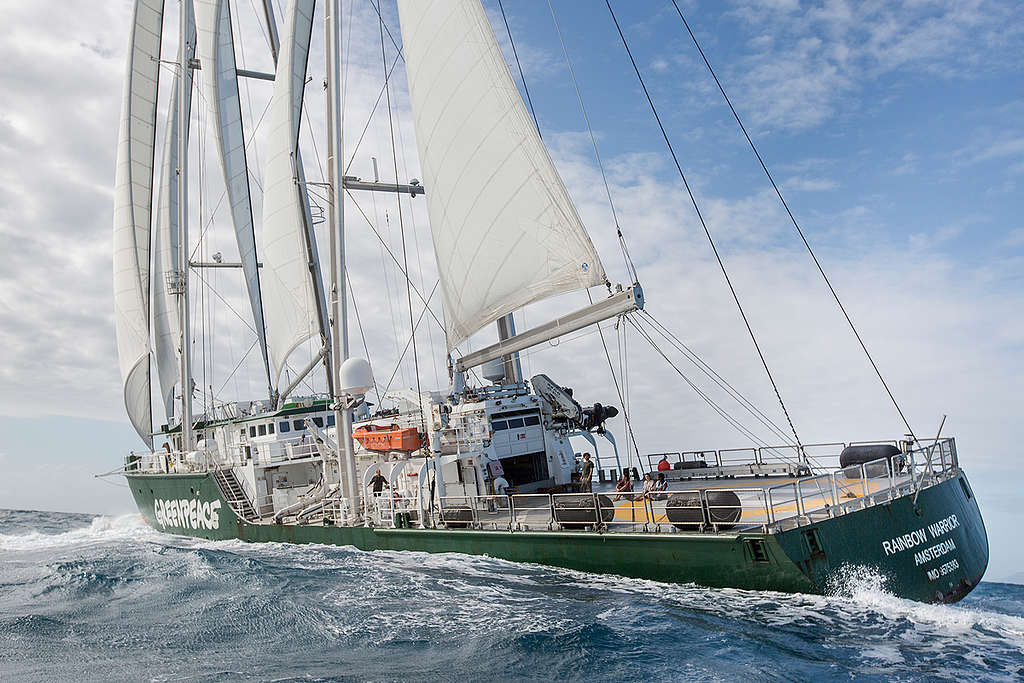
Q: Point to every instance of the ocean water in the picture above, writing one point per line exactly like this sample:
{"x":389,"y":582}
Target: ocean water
{"x":102,"y":598}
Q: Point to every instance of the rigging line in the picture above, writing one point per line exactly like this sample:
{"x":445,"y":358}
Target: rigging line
{"x":773,"y":428}
{"x":220,"y":200}
{"x":618,"y":389}
{"x":796,"y":225}
{"x":237,"y":365}
{"x":630,"y":268}
{"x":401,"y":357}
{"x":384,"y":24}
{"x":362,"y":332}
{"x":369,"y":119}
{"x":522,"y":78}
{"x":416,"y":242}
{"x":707,"y":231}
{"x":393,"y":257}
{"x":767,"y":423}
{"x":710,"y":372}
{"x":224,"y":301}
{"x":401,"y":223}
{"x":736,"y":424}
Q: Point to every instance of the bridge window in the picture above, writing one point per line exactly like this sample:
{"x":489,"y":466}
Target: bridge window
{"x":515,"y":423}
{"x":318,"y":421}
{"x":499,"y":425}
{"x":330,"y":419}
{"x":252,"y":431}
{"x":262,"y":430}
{"x":284,"y":428}
{"x":298,"y":425}
{"x":532,"y":421}
{"x":270,"y":428}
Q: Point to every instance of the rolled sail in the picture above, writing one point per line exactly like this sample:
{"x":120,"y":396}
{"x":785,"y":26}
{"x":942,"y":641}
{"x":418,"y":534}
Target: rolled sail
{"x":217,"y":55}
{"x":166,"y":328}
{"x":504,"y":228}
{"x":289,"y":298}
{"x":133,"y":204}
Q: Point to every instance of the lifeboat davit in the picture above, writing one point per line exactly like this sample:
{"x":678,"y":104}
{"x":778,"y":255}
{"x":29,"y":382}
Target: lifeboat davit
{"x":390,"y":438}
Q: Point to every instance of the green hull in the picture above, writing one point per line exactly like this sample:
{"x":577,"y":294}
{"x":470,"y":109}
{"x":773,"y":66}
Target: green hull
{"x":936,"y":551}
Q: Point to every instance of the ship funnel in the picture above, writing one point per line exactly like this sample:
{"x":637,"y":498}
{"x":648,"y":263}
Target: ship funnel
{"x":356,"y":377}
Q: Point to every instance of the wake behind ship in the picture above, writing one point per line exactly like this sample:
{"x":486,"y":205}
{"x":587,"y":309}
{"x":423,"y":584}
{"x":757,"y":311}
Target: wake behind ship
{"x":498,"y":464}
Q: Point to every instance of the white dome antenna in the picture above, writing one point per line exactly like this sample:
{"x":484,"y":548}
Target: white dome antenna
{"x":355,"y":376}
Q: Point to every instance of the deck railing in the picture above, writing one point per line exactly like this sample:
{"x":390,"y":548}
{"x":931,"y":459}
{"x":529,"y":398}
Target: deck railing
{"x":769,"y":509}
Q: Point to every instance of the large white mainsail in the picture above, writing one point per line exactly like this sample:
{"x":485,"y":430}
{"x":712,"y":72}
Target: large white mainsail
{"x":505,"y":230}
{"x":217,"y":56}
{"x":133,"y":204}
{"x":166,"y":330}
{"x":289,"y":298}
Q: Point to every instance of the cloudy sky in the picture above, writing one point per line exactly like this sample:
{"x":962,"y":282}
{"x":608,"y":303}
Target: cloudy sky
{"x":895,"y":131}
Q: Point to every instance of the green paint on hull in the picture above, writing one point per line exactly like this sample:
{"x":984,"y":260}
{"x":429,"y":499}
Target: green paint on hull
{"x":785,"y":561}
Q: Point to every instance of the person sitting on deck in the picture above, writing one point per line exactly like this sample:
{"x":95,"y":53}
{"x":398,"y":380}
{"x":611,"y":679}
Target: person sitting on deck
{"x":660,"y":486}
{"x":623,"y":487}
{"x":378,"y":482}
{"x":648,"y":485}
{"x":663,"y":464}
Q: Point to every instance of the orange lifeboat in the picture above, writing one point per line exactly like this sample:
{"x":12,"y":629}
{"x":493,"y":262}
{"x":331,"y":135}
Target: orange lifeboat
{"x":391,"y":438}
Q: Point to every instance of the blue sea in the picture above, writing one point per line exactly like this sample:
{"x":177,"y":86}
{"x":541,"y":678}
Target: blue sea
{"x":106,"y":598}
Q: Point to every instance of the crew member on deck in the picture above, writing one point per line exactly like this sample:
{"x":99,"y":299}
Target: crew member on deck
{"x":378,"y":482}
{"x":663,"y":464}
{"x":586,"y":474}
{"x":624,"y":486}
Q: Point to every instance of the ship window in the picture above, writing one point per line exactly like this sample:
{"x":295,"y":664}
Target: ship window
{"x":318,"y":421}
{"x":270,"y":428}
{"x":330,"y":419}
{"x":499,"y":425}
{"x":532,"y":421}
{"x":299,"y":426}
{"x":963,"y":485}
{"x":515,"y":423}
{"x":262,"y":430}
{"x":284,"y":428}
{"x":252,"y":431}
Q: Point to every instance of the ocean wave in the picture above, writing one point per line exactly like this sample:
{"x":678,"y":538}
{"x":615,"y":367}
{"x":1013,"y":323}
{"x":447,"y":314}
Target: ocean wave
{"x":108,"y":589}
{"x":101,"y":529}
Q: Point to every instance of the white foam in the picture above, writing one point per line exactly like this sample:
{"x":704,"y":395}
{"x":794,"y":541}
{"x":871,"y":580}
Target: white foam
{"x":103,"y":528}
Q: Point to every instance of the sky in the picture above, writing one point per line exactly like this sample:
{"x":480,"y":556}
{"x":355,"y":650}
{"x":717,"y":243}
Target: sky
{"x":894,"y":130}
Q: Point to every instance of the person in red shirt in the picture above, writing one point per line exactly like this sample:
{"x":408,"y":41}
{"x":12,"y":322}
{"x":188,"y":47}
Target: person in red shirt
{"x":663,"y":464}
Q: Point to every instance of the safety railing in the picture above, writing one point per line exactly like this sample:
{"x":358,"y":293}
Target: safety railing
{"x":713,"y":509}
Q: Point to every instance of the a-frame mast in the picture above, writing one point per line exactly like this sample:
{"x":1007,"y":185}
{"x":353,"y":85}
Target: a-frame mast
{"x":339,"y":314}
{"x":184,"y":326}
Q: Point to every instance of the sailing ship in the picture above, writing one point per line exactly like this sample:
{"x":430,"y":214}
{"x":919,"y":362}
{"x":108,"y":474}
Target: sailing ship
{"x":487,"y":465}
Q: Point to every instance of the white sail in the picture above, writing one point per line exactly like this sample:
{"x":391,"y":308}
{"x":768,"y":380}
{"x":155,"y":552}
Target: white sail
{"x":505,"y":230}
{"x":289,"y":299}
{"x":166,"y":330}
{"x":133,"y":203}
{"x":217,"y":57}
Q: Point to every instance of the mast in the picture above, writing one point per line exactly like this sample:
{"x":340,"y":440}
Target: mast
{"x":183,"y":301}
{"x":339,"y":314}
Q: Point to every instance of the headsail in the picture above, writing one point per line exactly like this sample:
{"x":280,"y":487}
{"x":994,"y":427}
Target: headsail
{"x":133,"y":204}
{"x":505,"y":230}
{"x":290,"y":300}
{"x":166,"y":329}
{"x":217,"y":56}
